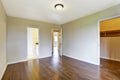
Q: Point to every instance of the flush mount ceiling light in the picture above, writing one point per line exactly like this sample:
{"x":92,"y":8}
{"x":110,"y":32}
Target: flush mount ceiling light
{"x":59,"y":6}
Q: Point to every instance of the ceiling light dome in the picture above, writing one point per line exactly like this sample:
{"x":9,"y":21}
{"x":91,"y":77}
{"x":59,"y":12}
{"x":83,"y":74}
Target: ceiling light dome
{"x":59,"y":6}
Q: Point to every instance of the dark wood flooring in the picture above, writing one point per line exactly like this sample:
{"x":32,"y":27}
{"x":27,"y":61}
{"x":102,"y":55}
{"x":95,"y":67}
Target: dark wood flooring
{"x":63,"y":68}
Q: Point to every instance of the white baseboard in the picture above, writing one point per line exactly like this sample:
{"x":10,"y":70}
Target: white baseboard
{"x":14,"y":62}
{"x":3,"y":72}
{"x":110,"y":59}
{"x":80,"y":60}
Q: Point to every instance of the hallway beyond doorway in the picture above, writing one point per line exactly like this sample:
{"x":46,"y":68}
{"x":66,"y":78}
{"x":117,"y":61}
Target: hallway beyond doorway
{"x":56,"y":43}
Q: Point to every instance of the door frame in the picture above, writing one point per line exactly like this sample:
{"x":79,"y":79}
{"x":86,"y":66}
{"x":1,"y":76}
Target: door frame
{"x":29,"y":43}
{"x":98,"y":23}
{"x":59,"y":42}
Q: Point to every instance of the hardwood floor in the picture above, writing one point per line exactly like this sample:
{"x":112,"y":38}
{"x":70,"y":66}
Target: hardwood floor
{"x":63,"y":68}
{"x":110,"y":70}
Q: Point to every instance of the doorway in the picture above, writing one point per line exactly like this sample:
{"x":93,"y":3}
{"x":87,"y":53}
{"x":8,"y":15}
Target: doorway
{"x":33,"y":43}
{"x":110,"y":39}
{"x":56,"y":43}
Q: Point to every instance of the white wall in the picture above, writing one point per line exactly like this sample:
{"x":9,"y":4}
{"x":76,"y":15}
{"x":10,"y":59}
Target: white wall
{"x":3,"y":23}
{"x":17,"y":38}
{"x":110,"y":48}
{"x":81,"y":37}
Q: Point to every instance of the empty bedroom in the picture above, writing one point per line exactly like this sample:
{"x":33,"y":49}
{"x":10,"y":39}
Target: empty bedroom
{"x":59,"y":40}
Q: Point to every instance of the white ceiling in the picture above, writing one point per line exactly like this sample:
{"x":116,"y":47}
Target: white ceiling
{"x":43,"y":10}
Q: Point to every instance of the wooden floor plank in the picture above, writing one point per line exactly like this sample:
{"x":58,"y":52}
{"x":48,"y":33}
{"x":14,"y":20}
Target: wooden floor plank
{"x":62,"y":68}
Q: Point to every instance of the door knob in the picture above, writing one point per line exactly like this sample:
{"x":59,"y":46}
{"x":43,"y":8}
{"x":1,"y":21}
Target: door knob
{"x":37,"y":43}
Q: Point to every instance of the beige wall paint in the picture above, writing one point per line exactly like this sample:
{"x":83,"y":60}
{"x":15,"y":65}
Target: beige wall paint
{"x":17,"y":38}
{"x":3,"y":23}
{"x":81,"y":39}
{"x":111,"y":24}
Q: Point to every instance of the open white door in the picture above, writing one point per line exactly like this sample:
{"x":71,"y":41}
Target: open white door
{"x":32,"y":41}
